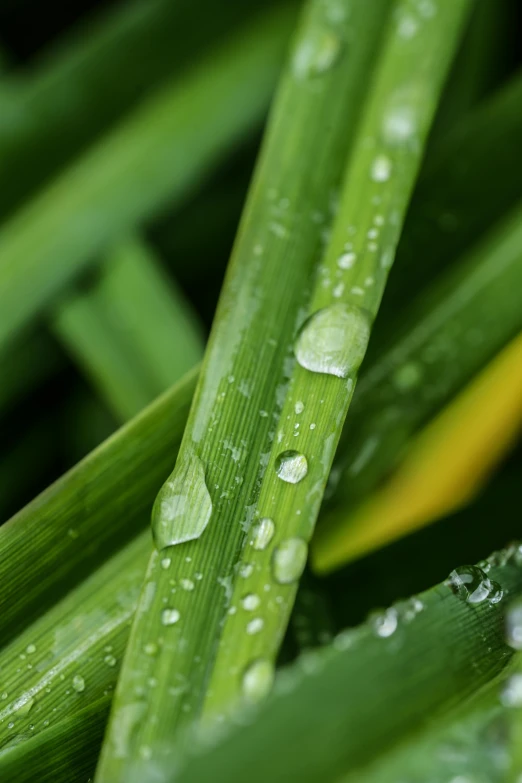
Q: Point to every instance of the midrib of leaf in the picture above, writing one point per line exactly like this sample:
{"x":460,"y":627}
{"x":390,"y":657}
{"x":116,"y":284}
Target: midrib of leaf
{"x":151,"y":158}
{"x":412,"y":66}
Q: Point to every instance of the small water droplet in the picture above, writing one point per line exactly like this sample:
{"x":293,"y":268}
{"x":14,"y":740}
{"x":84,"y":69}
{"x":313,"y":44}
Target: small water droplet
{"x":511,"y":694}
{"x":257,"y":680}
{"x":186,"y":584}
{"x":384,"y":623}
{"x":346,"y":261}
{"x":470,"y":583}
{"x":165,"y":563}
{"x":514,"y":625}
{"x":291,"y":466}
{"x":334,"y":340}
{"x":381,"y":169}
{"x":496,"y":593}
{"x":151,"y":648}
{"x":170,"y":616}
{"x":316,"y":54}
{"x":289,"y":560}
{"x":299,"y":407}
{"x":78,"y":683}
{"x":110,"y":660}
{"x":263,"y":533}
{"x":30,"y":649}
{"x":250,"y":602}
{"x":246,"y":570}
{"x":255,"y":625}
{"x":183,"y":506}
{"x":407,"y":377}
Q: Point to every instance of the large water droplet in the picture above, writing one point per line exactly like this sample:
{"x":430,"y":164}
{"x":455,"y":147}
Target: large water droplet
{"x":316,"y":54}
{"x":183,"y":506}
{"x":263,"y":533}
{"x":384,"y":623}
{"x":514,"y":625}
{"x":250,"y":602}
{"x":78,"y":683}
{"x":334,"y":340}
{"x":470,"y":583}
{"x":291,"y":466}
{"x":257,"y":680}
{"x":170,"y":616}
{"x":289,"y":560}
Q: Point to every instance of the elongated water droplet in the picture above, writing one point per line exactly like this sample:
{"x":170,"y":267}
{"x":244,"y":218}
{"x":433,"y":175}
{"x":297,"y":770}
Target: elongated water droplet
{"x":183,"y":506}
{"x":470,"y":583}
{"x":78,"y":683}
{"x":334,"y":340}
{"x":316,"y":54}
{"x":514,"y":625}
{"x":291,"y":466}
{"x":289,"y":560}
{"x":170,"y":616}
{"x":263,"y":533}
{"x":257,"y":680}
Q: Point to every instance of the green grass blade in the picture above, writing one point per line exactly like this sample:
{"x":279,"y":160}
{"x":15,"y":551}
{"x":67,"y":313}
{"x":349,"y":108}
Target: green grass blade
{"x":69,"y":95}
{"x":156,"y":155}
{"x":89,"y":513}
{"x":328,"y":719}
{"x":243,"y":627}
{"x":447,"y":336}
{"x":63,"y":753}
{"x":132,"y":331}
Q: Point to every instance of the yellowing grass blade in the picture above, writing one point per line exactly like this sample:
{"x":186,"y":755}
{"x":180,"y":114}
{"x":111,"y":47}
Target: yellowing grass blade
{"x":445,"y":467}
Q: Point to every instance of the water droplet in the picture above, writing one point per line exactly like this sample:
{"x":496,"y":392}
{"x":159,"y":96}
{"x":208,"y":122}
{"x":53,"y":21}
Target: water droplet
{"x":514,"y":625}
{"x":183,"y":506}
{"x":470,"y":583}
{"x":511,"y":694}
{"x":110,"y":660}
{"x":496,"y":593}
{"x":250,"y":602}
{"x":384,"y":623}
{"x":257,"y":680}
{"x":255,"y":625}
{"x":291,"y":466}
{"x":289,"y":560}
{"x":151,"y":648}
{"x":186,"y":584}
{"x":381,"y":169}
{"x":263,"y":533}
{"x":299,"y":407}
{"x":316,"y":54}
{"x":170,"y":616}
{"x":246,"y":570}
{"x":30,"y":649}
{"x":165,"y":563}
{"x":78,"y":683}
{"x":407,"y":377}
{"x":346,"y":261}
{"x":334,"y":340}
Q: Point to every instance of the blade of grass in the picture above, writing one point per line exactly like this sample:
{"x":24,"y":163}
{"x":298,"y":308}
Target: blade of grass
{"x":470,"y":314}
{"x":89,"y":513}
{"x":117,"y":330}
{"x":158,"y":153}
{"x":263,"y":307}
{"x":443,"y":469}
{"x":86,"y":82}
{"x":421,"y":658}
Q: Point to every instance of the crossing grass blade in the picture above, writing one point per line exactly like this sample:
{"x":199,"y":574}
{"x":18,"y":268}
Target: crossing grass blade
{"x":155,"y":156}
{"x":422,"y":658}
{"x":131,"y":330}
{"x":250,"y":377}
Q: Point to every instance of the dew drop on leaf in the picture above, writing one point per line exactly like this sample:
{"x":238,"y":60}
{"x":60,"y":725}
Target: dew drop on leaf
{"x":78,"y":683}
{"x":514,"y":625}
{"x":334,"y":340}
{"x":170,"y":616}
{"x":250,"y":602}
{"x":183,"y":506}
{"x":257,"y":680}
{"x":291,"y":466}
{"x":471,"y":584}
{"x":263,"y":533}
{"x":289,"y":560}
{"x":316,"y":54}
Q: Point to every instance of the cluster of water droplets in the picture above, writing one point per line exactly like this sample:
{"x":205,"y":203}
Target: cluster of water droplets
{"x":472,"y":584}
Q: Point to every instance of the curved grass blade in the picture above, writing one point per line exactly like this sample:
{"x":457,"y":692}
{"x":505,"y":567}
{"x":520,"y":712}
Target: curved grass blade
{"x":158,"y":153}
{"x":444,"y":467}
{"x":280,"y":479}
{"x":422,"y":658}
{"x":118,"y":329}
